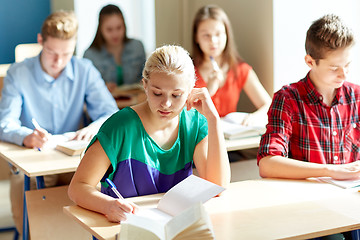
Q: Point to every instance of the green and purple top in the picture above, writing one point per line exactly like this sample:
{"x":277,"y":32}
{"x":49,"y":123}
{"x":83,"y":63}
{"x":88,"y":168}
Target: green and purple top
{"x":138,"y":165}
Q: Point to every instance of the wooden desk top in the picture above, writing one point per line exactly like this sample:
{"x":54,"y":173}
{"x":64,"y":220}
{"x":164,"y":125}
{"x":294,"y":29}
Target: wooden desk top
{"x":34,"y":163}
{"x":242,"y":143}
{"x":128,"y":95}
{"x":260,"y":209}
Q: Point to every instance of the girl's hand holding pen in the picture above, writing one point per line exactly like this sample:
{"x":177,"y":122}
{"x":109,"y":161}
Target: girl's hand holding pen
{"x":216,"y":78}
{"x":118,"y":208}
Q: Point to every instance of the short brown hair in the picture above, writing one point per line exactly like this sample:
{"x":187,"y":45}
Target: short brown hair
{"x":328,"y":33}
{"x":61,"y":24}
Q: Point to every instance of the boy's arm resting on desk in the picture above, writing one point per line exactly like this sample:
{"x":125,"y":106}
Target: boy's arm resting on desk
{"x":82,"y":189}
{"x":282,"y":167}
{"x":210,"y":155}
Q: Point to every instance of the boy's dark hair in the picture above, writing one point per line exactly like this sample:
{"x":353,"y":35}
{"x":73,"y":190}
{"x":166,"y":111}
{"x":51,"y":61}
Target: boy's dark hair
{"x":328,"y":33}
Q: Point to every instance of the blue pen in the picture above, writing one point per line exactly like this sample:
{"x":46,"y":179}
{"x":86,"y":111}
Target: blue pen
{"x":113,"y":188}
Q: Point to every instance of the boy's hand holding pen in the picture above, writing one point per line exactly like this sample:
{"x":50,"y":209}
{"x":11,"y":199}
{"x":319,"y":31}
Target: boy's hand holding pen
{"x":37,"y":138}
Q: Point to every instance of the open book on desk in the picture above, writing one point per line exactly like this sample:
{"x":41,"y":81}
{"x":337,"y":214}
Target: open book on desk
{"x":65,"y":144}
{"x":232,"y":128}
{"x":180,"y":214}
{"x":341,"y":183}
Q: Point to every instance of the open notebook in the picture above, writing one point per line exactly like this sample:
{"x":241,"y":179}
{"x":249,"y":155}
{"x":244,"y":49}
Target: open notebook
{"x":341,"y":183}
{"x":232,"y":128}
{"x":65,"y":144}
{"x":180,"y":214}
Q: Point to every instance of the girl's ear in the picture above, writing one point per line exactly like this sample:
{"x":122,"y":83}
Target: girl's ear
{"x":310,"y":61}
{"x":145,"y":84}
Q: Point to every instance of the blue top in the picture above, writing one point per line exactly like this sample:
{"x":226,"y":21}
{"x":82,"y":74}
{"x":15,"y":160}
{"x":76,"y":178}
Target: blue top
{"x":132,"y":62}
{"x":56,"y":104}
{"x":138,"y":165}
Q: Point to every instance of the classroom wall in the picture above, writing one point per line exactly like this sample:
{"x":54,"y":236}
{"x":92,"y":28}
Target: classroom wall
{"x":252,"y":23}
{"x":291,"y":21}
{"x":270,"y":34}
{"x":138,"y":14}
{"x":20,"y":21}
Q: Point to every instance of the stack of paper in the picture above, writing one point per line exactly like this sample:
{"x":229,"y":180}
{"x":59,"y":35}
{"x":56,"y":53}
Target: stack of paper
{"x":341,"y":183}
{"x":232,"y":128}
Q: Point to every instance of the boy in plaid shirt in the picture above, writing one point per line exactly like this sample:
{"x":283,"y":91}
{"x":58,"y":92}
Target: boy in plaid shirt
{"x":313,"y":125}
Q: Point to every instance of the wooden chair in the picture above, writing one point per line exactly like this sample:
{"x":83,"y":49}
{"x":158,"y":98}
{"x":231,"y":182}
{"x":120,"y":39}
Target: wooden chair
{"x":26,"y":50}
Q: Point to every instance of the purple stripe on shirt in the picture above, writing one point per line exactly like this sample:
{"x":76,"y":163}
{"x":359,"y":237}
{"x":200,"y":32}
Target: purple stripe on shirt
{"x":134,"y":178}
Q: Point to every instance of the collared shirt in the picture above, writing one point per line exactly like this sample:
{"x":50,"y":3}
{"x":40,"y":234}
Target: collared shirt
{"x":56,"y":104}
{"x":302,"y":127}
{"x":132,"y":62}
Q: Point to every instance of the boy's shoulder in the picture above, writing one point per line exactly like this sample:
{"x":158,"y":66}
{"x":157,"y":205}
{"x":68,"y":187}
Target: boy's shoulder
{"x":292,"y":88}
{"x":20,"y":67}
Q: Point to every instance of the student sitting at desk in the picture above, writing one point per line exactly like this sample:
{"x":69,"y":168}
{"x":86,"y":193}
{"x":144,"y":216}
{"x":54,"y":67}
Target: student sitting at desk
{"x":150,"y":147}
{"x":220,"y":68}
{"x":52,"y":88}
{"x":313,"y":128}
{"x":119,"y":59}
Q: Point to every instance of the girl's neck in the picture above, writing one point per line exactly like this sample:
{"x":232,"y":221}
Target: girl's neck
{"x":114,"y":48}
{"x":164,"y":133}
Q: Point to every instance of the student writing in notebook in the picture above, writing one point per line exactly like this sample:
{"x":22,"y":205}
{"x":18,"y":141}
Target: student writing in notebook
{"x":119,"y":59}
{"x":220,"y":68}
{"x":51,"y":88}
{"x":313,"y":128}
{"x":150,"y":147}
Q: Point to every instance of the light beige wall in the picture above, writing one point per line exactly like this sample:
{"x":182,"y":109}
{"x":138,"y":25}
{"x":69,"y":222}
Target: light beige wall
{"x":252,"y":22}
{"x":57,"y":5}
{"x":168,"y":22}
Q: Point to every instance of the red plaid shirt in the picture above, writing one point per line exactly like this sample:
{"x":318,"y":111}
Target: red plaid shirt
{"x":302,"y":127}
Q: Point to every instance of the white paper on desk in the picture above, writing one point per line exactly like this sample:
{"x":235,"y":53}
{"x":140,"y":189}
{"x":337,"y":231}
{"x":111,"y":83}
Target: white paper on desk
{"x":232,"y":127}
{"x":235,"y":117}
{"x":341,"y":183}
{"x":186,"y":193}
{"x":54,"y":140}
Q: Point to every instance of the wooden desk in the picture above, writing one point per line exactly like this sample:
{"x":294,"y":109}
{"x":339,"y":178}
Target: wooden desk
{"x":259,"y":209}
{"x":243,"y":143}
{"x":33,"y":163}
{"x":128,"y":95}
